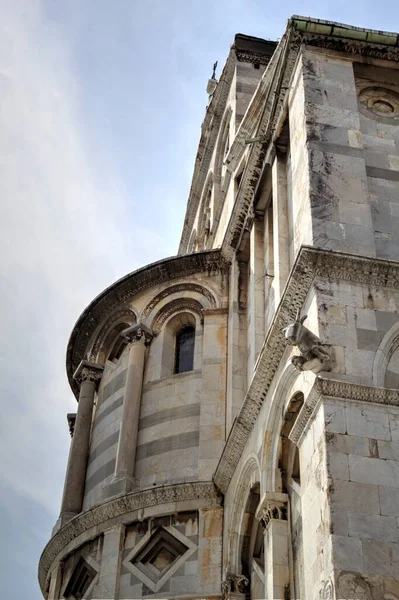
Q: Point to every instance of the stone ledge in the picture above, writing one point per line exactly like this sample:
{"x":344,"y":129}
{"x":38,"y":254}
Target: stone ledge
{"x":330,"y":388}
{"x":100,"y":515}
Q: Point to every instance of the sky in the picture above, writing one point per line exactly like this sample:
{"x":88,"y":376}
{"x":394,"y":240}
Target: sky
{"x":101,"y":104}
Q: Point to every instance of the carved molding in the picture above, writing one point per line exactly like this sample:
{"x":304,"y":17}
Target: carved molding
{"x":311,"y":263}
{"x":176,"y":306}
{"x":343,"y":390}
{"x":252,"y":57}
{"x":125,"y":289}
{"x":100,"y":515}
{"x":88,"y":371}
{"x":178,"y":289}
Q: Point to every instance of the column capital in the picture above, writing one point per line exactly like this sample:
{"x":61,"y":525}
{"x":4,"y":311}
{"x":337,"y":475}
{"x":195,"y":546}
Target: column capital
{"x":138,"y":333}
{"x":273,"y":506}
{"x":88,"y":371}
{"x":234,"y":586}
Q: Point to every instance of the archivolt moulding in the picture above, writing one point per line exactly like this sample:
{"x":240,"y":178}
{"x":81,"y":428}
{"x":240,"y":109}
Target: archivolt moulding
{"x":179,"y":288}
{"x":176,"y":306}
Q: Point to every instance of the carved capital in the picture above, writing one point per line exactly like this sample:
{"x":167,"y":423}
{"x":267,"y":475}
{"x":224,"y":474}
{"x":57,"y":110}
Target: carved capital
{"x":234,"y":585}
{"x":138,"y":334}
{"x":273,"y":506}
{"x":88,"y":371}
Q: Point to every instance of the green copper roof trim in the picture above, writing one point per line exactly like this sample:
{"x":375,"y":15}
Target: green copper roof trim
{"x":341,"y":30}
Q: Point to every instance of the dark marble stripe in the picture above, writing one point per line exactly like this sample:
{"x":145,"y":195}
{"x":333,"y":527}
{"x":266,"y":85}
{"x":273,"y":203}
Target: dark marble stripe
{"x":107,"y":411}
{"x":170,"y":414}
{"x":103,"y":446}
{"x":174,"y":442}
{"x":388,"y":174}
{"x":114,"y":385}
{"x":337,"y":149}
{"x":99,"y":475}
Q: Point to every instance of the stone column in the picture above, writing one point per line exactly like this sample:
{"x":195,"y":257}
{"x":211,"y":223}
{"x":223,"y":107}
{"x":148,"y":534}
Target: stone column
{"x":123,"y":481}
{"x":272,"y":513}
{"x":87,"y":375}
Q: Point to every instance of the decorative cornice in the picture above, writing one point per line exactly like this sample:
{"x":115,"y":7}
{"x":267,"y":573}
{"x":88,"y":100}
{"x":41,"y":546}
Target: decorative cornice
{"x":100,"y":515}
{"x":344,"y":390}
{"x":271,"y":96}
{"x":125,"y":289}
{"x":88,"y":371}
{"x":139,"y":333}
{"x":252,"y":57}
{"x":310,"y":263}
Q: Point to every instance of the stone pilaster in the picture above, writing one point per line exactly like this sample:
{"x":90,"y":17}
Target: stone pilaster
{"x":87,"y":376}
{"x":107,"y":585}
{"x":139,"y":337}
{"x":272,"y":513}
{"x":55,"y":582}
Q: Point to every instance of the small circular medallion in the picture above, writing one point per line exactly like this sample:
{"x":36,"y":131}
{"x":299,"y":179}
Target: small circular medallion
{"x":379,"y":103}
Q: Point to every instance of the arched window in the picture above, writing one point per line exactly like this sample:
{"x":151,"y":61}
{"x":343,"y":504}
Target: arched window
{"x":184,"y":352}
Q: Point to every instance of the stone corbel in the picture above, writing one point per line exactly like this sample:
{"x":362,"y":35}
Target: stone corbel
{"x":273,"y":506}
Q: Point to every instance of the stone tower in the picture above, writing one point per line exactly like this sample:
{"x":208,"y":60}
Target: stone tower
{"x":237,"y":426}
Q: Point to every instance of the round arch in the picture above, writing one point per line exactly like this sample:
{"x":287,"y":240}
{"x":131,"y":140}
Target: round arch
{"x":109,"y":332}
{"x":384,"y":353}
{"x":204,"y":295}
{"x":248,"y":478}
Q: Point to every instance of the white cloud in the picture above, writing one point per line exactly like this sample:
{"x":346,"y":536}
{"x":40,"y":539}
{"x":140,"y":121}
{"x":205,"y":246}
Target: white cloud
{"x":64,"y":236}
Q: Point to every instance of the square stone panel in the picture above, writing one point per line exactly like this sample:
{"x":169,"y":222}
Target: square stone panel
{"x":158,"y":555}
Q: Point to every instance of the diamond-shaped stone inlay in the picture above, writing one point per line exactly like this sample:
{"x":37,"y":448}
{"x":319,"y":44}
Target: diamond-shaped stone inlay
{"x":158,"y":555}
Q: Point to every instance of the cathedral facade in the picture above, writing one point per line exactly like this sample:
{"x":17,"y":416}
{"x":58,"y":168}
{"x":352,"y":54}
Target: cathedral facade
{"x":237,"y":426}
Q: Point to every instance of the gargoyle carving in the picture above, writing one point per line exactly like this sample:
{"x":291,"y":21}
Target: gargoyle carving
{"x":315,"y":356}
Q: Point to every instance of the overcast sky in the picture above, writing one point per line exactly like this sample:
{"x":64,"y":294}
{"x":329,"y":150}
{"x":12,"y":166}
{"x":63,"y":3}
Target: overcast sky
{"x":101,"y":103}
